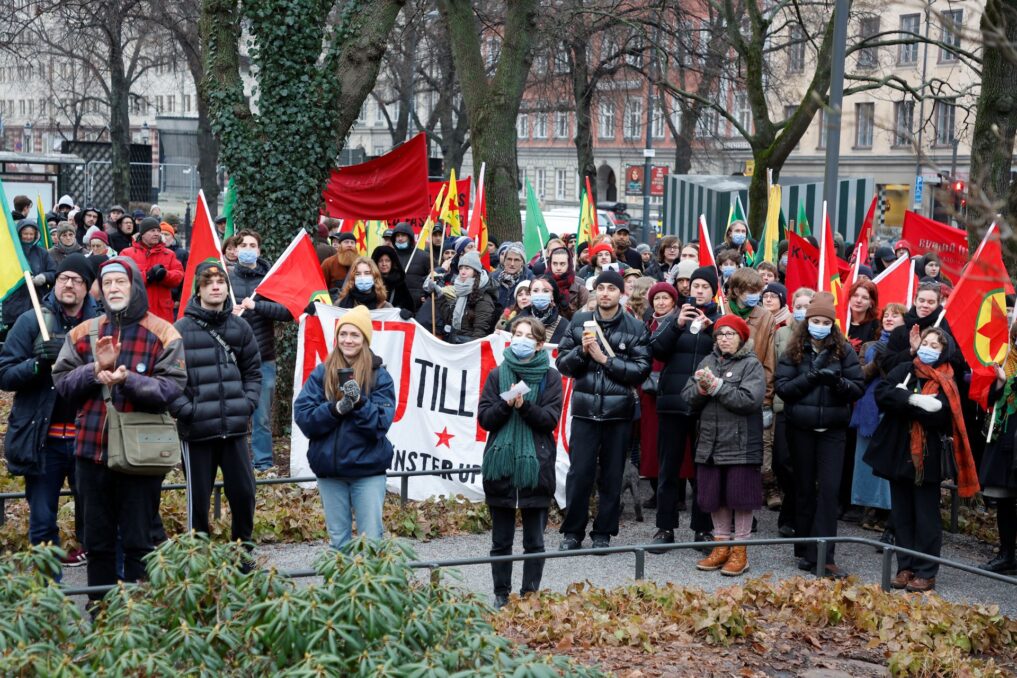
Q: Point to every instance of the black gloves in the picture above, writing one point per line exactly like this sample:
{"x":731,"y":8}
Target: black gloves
{"x":46,"y":352}
{"x":405,"y":314}
{"x":156,"y":273}
{"x":827,"y":376}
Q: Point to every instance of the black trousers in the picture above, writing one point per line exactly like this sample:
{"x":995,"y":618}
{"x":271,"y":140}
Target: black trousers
{"x":116,"y":503}
{"x":597,"y":453}
{"x":848,"y":473}
{"x":818,"y":459}
{"x":673,"y":433}
{"x":503,"y":530}
{"x":201,"y":460}
{"x":1006,"y":521}
{"x":917,"y":525}
{"x":783,"y":468}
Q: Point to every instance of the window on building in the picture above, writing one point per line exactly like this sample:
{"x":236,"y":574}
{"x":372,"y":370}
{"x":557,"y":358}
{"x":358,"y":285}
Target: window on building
{"x":561,"y":60}
{"x":868,"y":27}
{"x":950,"y":33}
{"x":31,"y":107}
{"x":910,"y":29}
{"x":21,"y":106}
{"x":540,"y":125}
{"x":561,"y":183}
{"x":633,"y":119}
{"x":492,"y":51}
{"x":539,"y":177}
{"x":742,"y":111}
{"x":540,"y":64}
{"x":171,"y":103}
{"x":187,"y":103}
{"x":378,"y":151}
{"x":946,"y":119}
{"x":523,"y":126}
{"x":605,"y":120}
{"x":635,"y":50}
{"x":379,"y":113}
{"x":608,"y":48}
{"x":42,"y":107}
{"x":562,"y":126}
{"x":796,"y":50}
{"x":706,"y":126}
{"x":362,"y":115}
{"x":903,"y":122}
{"x":659,"y":122}
{"x":864,"y":123}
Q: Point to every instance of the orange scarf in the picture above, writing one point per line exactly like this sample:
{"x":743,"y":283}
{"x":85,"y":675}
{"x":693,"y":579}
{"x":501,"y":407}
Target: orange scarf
{"x":940,"y":380}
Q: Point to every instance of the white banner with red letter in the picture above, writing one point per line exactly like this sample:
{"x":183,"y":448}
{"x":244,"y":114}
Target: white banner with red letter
{"x":438,"y":388}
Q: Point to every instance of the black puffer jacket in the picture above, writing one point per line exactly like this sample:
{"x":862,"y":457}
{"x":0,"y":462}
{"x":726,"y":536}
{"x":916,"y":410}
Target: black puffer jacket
{"x":266,"y":313}
{"x":605,"y":392}
{"x":222,"y":390}
{"x":541,"y":417}
{"x":681,"y":352}
{"x":811,"y":404}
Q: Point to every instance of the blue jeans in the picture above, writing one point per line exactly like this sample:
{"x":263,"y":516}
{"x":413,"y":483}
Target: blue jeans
{"x":43,"y":492}
{"x":365,"y":496}
{"x":261,"y":436}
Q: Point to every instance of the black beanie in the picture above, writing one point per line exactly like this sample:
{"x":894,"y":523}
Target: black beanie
{"x":707,"y":273}
{"x":78,"y":263}
{"x":777,"y":289}
{"x":147,"y":224}
{"x":612,"y":278}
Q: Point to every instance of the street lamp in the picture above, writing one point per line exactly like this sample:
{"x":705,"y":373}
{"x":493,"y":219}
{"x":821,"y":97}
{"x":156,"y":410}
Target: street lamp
{"x":27,"y":143}
{"x":146,"y":134}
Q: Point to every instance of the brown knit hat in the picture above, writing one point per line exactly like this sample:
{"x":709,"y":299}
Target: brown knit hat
{"x":822,"y":306}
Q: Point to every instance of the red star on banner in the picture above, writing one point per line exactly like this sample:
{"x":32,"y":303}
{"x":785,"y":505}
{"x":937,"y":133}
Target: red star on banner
{"x":994,"y":329}
{"x":444,"y":437}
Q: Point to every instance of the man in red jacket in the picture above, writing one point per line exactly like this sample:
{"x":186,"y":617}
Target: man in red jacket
{"x":160,"y":266}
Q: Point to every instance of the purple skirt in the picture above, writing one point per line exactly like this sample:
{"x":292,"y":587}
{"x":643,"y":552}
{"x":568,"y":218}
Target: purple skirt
{"x":739,"y":488}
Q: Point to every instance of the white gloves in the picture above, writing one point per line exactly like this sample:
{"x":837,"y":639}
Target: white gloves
{"x":926,"y":402}
{"x":715,"y":386}
{"x":429,"y":285}
{"x":767,"y":417}
{"x":39,"y":279}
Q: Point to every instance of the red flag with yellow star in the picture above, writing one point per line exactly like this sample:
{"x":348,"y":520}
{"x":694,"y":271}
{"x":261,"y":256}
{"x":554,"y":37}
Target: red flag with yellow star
{"x":976,"y":313}
{"x":360,"y":235}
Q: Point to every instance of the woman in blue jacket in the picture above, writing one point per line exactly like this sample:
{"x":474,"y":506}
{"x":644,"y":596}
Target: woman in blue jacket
{"x":345,"y":409}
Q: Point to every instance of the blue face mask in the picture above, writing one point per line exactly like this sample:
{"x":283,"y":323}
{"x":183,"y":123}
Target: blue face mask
{"x":783,"y":261}
{"x":928,"y":355}
{"x":523,"y":347}
{"x":540,"y":300}
{"x":728,"y":271}
{"x":820,"y":332}
{"x":402,"y":245}
{"x":247,"y":257}
{"x":738,"y":238}
{"x":751,"y":300}
{"x":364,"y":283}
{"x":798,"y":314}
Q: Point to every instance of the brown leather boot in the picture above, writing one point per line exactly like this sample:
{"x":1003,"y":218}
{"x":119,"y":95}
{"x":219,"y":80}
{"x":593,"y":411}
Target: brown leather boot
{"x":902,"y":579}
{"x":718,"y":556}
{"x":737,"y":563}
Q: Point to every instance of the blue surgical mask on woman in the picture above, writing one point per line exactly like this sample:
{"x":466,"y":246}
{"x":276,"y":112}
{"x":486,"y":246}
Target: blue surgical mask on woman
{"x":540,"y":300}
{"x":364,"y":283}
{"x":728,"y":270}
{"x":738,"y":238}
{"x":247,"y":257}
{"x":928,"y":355}
{"x":798,"y":314}
{"x":523,"y":347}
{"x":820,"y":332}
{"x":751,"y":300}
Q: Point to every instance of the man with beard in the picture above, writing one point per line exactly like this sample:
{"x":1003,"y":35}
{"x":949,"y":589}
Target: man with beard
{"x":86,"y":219}
{"x":622,"y":247}
{"x":66,"y":243}
{"x":138,"y":361}
{"x":337,"y":266}
{"x":262,"y":315}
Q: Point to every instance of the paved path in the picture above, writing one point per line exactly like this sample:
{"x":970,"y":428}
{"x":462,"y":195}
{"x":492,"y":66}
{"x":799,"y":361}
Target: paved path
{"x":678,"y":566}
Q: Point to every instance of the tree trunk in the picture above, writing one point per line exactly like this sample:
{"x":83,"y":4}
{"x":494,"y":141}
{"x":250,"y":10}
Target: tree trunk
{"x":119,"y":120}
{"x":208,"y":153}
{"x":990,"y":188}
{"x":582,"y":95}
{"x":492,"y":105}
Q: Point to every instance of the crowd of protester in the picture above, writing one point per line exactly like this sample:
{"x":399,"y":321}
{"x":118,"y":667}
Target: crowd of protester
{"x":728,"y":391}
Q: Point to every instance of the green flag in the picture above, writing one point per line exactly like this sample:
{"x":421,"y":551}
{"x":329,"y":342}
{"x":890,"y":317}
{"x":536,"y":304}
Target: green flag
{"x":737,"y":212}
{"x":802,"y":226}
{"x":13,"y":263}
{"x":535,"y":231}
{"x":228,"y":203}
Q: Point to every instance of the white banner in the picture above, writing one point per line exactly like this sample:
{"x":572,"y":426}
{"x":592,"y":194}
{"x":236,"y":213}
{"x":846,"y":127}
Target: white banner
{"x":438,"y":387}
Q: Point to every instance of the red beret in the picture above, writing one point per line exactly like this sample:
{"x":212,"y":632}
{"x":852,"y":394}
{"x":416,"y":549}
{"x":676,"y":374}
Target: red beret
{"x":735,"y":323}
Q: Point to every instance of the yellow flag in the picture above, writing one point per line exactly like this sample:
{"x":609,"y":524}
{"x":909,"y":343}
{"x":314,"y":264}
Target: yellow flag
{"x":425,"y":231}
{"x":375,"y":231}
{"x":450,"y":212}
{"x":13,"y":263}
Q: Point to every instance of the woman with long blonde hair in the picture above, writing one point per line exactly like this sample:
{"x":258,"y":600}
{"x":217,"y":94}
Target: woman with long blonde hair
{"x":345,"y":409}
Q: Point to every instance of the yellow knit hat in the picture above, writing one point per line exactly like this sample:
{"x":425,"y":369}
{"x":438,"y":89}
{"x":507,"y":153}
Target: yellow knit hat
{"x":359,"y":317}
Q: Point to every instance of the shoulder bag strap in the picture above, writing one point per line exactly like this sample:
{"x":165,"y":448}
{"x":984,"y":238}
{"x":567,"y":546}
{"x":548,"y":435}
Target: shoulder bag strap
{"x":230,"y":355}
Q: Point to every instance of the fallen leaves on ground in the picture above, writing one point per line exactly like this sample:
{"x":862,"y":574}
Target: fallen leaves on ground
{"x":763,"y":627}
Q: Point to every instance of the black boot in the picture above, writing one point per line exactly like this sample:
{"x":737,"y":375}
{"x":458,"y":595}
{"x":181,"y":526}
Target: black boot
{"x":1003,"y":563}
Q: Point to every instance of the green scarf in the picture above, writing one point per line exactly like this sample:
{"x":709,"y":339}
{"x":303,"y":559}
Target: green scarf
{"x":513,"y":453}
{"x":739,"y":310}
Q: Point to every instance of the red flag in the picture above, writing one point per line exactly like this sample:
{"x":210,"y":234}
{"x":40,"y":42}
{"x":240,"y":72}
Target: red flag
{"x":860,"y":254}
{"x":802,"y":263}
{"x":950,"y":243}
{"x":829,"y":278}
{"x":204,"y":245}
{"x":706,"y":258}
{"x":976,"y":312}
{"x":295,"y":280}
{"x":897,"y":284}
{"x":389,"y":187}
{"x":477,"y":230}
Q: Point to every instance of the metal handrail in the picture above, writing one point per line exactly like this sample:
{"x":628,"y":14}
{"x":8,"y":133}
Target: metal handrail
{"x":404,"y":486}
{"x":640,"y":550}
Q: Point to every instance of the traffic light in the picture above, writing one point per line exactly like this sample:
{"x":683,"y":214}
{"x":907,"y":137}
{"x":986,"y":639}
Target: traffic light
{"x":960,"y":196}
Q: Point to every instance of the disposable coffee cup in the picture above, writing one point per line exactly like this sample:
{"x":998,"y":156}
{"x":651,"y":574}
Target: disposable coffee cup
{"x":696,"y":326}
{"x":590,"y":327}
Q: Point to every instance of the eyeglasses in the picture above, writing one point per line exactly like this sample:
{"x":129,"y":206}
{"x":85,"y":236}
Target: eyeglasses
{"x":725,"y":335}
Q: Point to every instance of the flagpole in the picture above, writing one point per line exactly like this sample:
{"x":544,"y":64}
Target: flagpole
{"x":434,"y":297}
{"x":822,"y":251}
{"x":36,"y":307}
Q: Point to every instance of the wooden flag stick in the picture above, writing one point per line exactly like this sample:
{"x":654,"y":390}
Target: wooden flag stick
{"x":36,"y":307}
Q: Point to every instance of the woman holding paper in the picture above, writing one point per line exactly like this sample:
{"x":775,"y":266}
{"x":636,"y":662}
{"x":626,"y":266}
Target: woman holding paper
{"x":520,"y":407}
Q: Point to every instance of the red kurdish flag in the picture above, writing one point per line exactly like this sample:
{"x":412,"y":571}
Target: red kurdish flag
{"x":897,"y":284}
{"x":976,"y":312}
{"x":860,"y":254}
{"x":477,"y":229}
{"x":295,"y":280}
{"x":950,"y":243}
{"x":204,"y":245}
{"x":389,"y":187}
{"x":802,"y":263}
